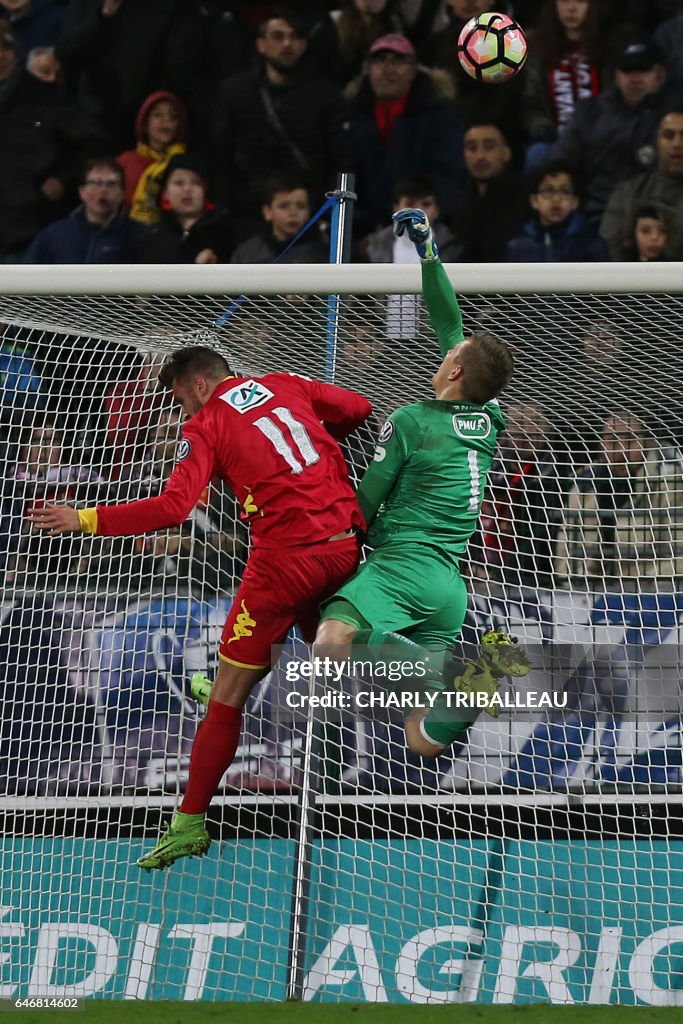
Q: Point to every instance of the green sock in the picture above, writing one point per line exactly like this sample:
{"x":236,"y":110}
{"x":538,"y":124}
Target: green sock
{"x":444,"y":724}
{"x":432,"y":662}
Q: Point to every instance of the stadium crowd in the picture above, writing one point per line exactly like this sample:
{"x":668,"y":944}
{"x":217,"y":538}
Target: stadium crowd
{"x":187,"y":131}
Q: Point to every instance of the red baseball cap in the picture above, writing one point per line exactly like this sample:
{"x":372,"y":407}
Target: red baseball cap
{"x":395,"y":43}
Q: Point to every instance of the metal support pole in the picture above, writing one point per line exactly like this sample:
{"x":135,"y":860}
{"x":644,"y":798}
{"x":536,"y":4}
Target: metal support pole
{"x":314,"y":739}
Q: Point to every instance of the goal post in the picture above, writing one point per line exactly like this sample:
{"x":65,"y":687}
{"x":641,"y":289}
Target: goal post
{"x":540,"y":859}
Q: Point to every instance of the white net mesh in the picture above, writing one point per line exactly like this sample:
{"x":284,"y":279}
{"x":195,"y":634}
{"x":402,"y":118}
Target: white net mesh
{"x":538,"y":860}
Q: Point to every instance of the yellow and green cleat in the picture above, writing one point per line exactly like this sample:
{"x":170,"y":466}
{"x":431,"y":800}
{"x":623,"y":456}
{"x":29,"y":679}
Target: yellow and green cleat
{"x":499,"y":656}
{"x":200,"y":688}
{"x":186,"y":836}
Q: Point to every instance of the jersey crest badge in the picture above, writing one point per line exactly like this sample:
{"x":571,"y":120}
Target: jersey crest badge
{"x":248,"y":395}
{"x":472,"y":426}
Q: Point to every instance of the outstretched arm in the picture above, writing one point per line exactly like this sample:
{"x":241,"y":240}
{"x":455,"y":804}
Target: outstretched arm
{"x":440,"y":299}
{"x":192,"y":472}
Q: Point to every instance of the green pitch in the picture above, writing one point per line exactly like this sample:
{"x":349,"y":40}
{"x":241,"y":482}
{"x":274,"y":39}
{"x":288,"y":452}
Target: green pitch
{"x":347,"y":1013}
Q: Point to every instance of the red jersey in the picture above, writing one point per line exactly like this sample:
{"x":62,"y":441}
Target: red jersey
{"x":272,"y":440}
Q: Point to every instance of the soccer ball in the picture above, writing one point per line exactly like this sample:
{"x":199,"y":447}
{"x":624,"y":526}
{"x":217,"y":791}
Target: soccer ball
{"x":491,"y":48}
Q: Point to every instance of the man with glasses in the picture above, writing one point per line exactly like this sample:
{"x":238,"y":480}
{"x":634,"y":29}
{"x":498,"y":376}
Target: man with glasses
{"x":557,"y":231}
{"x":402,"y":125}
{"x":99,"y":230}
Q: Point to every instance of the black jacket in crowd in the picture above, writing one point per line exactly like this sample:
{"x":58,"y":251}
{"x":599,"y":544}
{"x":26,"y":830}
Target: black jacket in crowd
{"x":44,"y":135}
{"x":249,"y":149}
{"x":169,"y":243}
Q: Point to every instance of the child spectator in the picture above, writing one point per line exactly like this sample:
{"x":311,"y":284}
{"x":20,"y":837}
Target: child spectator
{"x":192,"y":230}
{"x":566,"y":56}
{"x":648,"y":234}
{"x":160,"y":127}
{"x":557,"y":231}
{"x":418,"y":191}
{"x":286,"y":208}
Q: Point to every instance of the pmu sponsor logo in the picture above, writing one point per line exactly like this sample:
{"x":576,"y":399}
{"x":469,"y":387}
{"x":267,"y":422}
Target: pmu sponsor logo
{"x":472,"y":425}
{"x":248,"y":395}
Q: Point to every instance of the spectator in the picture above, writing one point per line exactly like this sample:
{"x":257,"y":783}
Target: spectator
{"x":557,"y":231}
{"x":129,"y":408}
{"x":661,"y":185}
{"x":42,"y":474}
{"x":492,"y":207}
{"x":565,"y":64}
{"x":192,"y":230}
{"x":43,"y":64}
{"x":282,"y":117}
{"x":523,"y":511}
{"x":115,"y":53}
{"x":99,"y":230}
{"x":160,"y":127}
{"x":418,"y":191}
{"x":609,"y":136}
{"x":359,"y":23}
{"x":648,"y":234}
{"x":286,"y":208}
{"x":34,"y":22}
{"x":402,"y":126}
{"x":44,"y":139}
{"x":622,"y":516}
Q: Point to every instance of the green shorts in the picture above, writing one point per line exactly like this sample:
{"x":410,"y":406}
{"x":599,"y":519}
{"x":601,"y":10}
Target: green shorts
{"x":410,"y":590}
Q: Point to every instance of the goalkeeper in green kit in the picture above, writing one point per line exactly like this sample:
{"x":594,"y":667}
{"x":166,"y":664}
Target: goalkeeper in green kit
{"x":421,"y":498}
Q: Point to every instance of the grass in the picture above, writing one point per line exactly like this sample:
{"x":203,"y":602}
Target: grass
{"x":103,"y":1012}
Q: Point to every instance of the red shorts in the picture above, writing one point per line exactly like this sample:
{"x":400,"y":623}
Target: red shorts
{"x":282,"y":588}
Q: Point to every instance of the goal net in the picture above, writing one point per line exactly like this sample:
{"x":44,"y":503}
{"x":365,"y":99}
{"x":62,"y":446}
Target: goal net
{"x":539,"y":859}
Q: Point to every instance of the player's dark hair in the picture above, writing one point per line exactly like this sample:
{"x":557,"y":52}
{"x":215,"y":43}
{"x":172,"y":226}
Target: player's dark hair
{"x":195,"y":359}
{"x":487,"y":367}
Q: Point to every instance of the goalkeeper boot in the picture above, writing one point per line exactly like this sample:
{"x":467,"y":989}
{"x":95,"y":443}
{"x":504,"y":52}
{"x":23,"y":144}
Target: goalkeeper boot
{"x":502,"y":654}
{"x":186,"y":836}
{"x":499,"y":656}
{"x":200,"y":688}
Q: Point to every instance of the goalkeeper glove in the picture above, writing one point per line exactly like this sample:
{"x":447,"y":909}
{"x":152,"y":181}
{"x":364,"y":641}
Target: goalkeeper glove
{"x":416,"y":223}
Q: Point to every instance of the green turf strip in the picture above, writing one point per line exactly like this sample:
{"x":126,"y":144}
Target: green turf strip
{"x":346,"y":1013}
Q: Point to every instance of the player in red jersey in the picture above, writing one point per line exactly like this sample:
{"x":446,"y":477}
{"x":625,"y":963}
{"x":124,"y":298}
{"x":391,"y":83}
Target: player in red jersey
{"x":272,"y":439}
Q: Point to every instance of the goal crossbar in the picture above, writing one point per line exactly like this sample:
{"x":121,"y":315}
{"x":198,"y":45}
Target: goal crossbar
{"x":350,"y":278}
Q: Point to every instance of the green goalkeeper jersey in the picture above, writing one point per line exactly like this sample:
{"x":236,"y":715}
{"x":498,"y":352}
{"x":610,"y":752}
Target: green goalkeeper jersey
{"x":426,"y":483}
